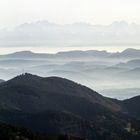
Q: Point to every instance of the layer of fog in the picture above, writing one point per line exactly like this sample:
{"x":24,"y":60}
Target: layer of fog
{"x":112,"y":74}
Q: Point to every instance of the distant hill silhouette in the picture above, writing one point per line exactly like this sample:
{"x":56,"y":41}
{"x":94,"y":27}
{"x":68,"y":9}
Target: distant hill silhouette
{"x":135,"y":63}
{"x":128,"y":53}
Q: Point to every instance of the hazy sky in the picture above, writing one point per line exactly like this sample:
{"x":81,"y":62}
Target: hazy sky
{"x":14,"y":12}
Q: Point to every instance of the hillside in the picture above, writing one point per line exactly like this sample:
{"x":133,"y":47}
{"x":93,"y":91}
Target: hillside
{"x":1,"y":80}
{"x":8,"y":132}
{"x":132,"y":105}
{"x":55,"y":105}
{"x":51,"y":88}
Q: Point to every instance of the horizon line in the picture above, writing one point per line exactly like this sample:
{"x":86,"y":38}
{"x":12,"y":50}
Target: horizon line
{"x":64,"y":51}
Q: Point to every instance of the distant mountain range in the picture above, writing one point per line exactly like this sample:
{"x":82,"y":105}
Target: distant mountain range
{"x":46,"y":33}
{"x":56,"y":105}
{"x":128,"y":53}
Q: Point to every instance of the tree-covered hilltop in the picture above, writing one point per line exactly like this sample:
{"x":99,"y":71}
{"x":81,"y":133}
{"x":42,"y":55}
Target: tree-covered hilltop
{"x":55,"y":105}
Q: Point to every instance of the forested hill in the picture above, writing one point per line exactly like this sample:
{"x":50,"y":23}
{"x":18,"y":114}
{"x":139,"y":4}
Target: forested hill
{"x":55,"y":105}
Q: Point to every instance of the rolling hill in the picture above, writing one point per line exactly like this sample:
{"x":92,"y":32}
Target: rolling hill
{"x":55,"y":105}
{"x":130,"y":64}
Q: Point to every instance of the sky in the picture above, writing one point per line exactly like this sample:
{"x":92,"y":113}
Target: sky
{"x":15,"y":12}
